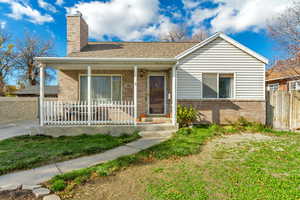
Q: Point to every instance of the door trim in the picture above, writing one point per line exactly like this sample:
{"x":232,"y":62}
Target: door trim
{"x":165,"y":92}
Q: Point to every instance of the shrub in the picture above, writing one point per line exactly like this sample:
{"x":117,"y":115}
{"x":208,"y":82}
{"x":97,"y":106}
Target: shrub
{"x":185,"y":131}
{"x":186,"y":115}
{"x":58,"y":185}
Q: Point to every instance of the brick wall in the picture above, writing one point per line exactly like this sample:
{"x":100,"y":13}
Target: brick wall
{"x":77,"y":33}
{"x":18,"y":108}
{"x":69,"y":86}
{"x":220,"y":111}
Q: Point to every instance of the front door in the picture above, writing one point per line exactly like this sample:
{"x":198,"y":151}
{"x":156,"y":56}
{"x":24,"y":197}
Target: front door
{"x":156,"y":94}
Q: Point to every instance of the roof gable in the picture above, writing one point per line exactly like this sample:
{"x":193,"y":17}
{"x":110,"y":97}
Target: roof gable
{"x":226,"y":38}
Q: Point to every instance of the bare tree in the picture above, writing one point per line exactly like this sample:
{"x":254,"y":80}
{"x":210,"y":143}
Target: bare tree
{"x":180,"y":34}
{"x":285,"y":29}
{"x":200,"y":35}
{"x":175,"y":35}
{"x":28,"y":48}
{"x":6,"y":59}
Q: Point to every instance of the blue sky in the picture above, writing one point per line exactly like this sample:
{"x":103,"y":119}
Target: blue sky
{"x":145,"y":20}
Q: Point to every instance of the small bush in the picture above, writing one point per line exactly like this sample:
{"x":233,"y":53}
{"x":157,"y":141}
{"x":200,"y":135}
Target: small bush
{"x":186,"y":115}
{"x":185,"y":131}
{"x":103,"y":171}
{"x":58,"y":185}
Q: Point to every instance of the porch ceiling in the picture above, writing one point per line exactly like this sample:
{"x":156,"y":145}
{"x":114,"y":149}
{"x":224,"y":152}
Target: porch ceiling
{"x":71,"y":63}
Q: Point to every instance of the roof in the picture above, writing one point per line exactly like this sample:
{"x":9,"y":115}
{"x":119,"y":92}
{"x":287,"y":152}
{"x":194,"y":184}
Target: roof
{"x":284,"y":69}
{"x":35,"y":90}
{"x":228,"y":39}
{"x":142,"y":51}
{"x":133,"y":49}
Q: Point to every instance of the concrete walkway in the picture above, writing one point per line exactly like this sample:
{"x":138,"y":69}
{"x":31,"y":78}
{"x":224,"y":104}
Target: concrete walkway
{"x":45,"y":173}
{"x":16,"y":129}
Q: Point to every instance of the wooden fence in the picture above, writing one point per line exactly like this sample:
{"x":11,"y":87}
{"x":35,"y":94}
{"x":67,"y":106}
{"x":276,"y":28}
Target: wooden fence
{"x":283,"y":110}
{"x":76,"y":113}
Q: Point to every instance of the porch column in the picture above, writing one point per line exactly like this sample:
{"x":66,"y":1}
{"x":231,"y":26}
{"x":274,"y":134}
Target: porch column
{"x":89,"y":85}
{"x":42,"y":93}
{"x":135,"y":94}
{"x":174,"y":96}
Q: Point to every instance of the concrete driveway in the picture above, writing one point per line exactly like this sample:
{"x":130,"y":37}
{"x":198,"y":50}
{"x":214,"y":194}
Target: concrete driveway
{"x":16,"y":129}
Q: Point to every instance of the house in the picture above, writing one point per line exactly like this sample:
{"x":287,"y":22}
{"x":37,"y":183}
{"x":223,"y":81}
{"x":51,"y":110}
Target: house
{"x":133,"y":83}
{"x":34,"y":91}
{"x":284,"y":75}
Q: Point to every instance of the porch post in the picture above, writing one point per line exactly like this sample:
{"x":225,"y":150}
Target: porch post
{"x":89,"y":85}
{"x":174,"y":96}
{"x":42,"y":92}
{"x":135,"y":94}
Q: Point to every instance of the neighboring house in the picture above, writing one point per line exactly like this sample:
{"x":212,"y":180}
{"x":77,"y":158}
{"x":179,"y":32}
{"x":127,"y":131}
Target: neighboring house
{"x":128,"y":82}
{"x":9,"y":90}
{"x":284,"y":75}
{"x":34,"y":91}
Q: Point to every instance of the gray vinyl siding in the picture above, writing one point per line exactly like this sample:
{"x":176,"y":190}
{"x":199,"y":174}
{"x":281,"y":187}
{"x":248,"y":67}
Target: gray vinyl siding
{"x":221,"y":56}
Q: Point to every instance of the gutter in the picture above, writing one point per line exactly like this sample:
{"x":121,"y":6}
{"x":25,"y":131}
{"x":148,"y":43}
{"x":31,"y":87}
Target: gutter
{"x":60,"y":60}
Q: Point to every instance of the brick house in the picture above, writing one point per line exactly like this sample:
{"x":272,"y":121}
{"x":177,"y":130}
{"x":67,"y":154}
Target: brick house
{"x":284,"y":75}
{"x":133,"y":83}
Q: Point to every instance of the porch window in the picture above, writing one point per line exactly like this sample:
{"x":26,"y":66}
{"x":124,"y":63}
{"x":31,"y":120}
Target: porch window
{"x":106,"y":88}
{"x":273,"y":87}
{"x":294,"y":85}
{"x":217,"y":85}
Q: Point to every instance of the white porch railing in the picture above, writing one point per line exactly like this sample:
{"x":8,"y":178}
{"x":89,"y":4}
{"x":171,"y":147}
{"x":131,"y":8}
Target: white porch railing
{"x":76,"y":113}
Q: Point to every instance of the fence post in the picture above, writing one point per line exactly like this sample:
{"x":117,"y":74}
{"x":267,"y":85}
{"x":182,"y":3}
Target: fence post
{"x":89,"y":94}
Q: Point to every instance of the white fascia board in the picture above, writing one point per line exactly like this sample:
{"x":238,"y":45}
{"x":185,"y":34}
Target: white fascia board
{"x":61,"y":60}
{"x":226,"y":38}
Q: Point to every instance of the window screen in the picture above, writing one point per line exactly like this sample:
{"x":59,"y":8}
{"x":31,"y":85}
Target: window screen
{"x":225,"y":86}
{"x":210,"y":85}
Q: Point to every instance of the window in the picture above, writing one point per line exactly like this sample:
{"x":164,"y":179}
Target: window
{"x":273,"y":87}
{"x":103,"y":88}
{"x":294,"y":85}
{"x":217,"y":85}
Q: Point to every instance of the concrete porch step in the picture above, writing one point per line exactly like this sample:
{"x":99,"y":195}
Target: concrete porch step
{"x":156,"y":127}
{"x":164,"y":134}
{"x":157,"y":119}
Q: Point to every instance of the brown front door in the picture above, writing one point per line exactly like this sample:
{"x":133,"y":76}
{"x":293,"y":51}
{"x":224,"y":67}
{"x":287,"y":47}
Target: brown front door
{"x":156,"y":94}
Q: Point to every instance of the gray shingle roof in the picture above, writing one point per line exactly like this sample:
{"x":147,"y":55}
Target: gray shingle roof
{"x":35,"y":90}
{"x":133,"y":49}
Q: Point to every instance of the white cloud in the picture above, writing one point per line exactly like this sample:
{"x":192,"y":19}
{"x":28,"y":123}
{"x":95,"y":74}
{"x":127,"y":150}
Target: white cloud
{"x":47,"y":6}
{"x":59,"y":2}
{"x":236,"y":15}
{"x":23,"y":11}
{"x":127,"y":20}
{"x":189,"y":4}
{"x":2,"y":24}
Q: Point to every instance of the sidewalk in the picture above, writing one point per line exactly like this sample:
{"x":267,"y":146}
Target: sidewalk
{"x":45,"y":173}
{"x":10,"y":130}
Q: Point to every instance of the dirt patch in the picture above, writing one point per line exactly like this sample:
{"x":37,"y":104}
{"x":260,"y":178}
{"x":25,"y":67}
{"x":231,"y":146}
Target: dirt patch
{"x":131,"y":182}
{"x":17,"y":195}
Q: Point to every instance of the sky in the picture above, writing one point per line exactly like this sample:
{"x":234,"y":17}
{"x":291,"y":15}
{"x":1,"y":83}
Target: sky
{"x":145,"y":20}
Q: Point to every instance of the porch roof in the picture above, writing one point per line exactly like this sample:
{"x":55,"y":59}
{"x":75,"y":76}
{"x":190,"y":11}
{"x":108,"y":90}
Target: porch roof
{"x":87,"y":60}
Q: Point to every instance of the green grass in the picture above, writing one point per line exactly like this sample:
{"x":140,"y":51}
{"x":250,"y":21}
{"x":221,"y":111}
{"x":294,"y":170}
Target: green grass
{"x":181,"y":144}
{"x":31,"y":151}
{"x":258,"y":170}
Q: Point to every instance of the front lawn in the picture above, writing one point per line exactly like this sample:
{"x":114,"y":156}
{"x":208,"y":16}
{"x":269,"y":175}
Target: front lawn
{"x":31,"y":151}
{"x":200,"y":163}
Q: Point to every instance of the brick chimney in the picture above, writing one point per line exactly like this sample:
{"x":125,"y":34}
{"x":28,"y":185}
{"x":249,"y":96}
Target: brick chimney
{"x":77,"y":33}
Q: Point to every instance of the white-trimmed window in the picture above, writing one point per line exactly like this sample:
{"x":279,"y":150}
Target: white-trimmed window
{"x":217,"y":85}
{"x":104,"y":87}
{"x":273,"y":87}
{"x":294,"y":85}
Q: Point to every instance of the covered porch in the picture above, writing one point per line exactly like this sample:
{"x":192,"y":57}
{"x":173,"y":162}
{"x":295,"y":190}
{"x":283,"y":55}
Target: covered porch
{"x":112,"y":91}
